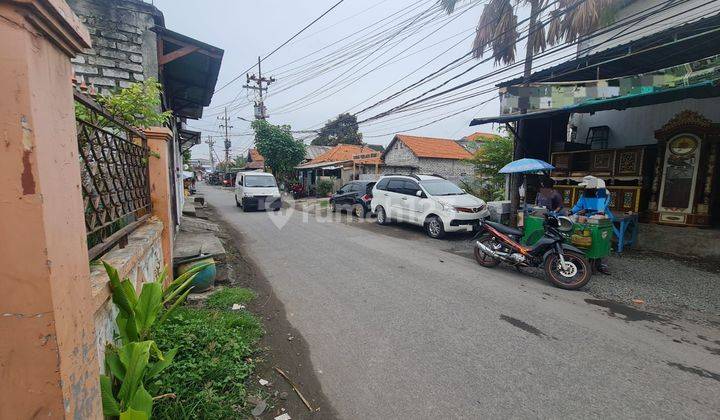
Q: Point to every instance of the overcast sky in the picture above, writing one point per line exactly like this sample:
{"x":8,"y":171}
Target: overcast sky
{"x":250,"y":28}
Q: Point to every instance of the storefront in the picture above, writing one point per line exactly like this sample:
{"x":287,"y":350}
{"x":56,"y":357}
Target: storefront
{"x":654,"y":137}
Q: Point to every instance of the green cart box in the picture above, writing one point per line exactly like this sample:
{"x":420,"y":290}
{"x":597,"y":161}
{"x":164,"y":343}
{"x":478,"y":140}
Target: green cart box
{"x":593,"y":238}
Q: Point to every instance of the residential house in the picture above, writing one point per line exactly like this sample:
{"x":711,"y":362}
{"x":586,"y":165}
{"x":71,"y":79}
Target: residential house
{"x":473,"y":142}
{"x":639,"y":108}
{"x":130,"y":43}
{"x":336,"y":164}
{"x":414,"y":154}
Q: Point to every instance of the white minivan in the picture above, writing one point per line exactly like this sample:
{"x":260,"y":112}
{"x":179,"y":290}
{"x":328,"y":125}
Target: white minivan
{"x":257,"y":190}
{"x":430,"y":201}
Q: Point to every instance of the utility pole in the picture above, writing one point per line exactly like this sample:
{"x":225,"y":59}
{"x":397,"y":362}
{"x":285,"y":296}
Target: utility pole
{"x":211,"y":145}
{"x":262,"y":84}
{"x":227,"y":127}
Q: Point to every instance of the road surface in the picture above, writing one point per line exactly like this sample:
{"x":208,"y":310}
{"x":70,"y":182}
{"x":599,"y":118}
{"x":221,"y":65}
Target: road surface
{"x":400,"y":326}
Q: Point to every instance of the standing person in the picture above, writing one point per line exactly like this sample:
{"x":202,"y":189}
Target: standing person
{"x":548,"y":196}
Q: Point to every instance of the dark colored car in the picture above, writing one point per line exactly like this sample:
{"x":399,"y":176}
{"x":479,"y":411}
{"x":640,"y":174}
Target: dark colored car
{"x":354,"y":196}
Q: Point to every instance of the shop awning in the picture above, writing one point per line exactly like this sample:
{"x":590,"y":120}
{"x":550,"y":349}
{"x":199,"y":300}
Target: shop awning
{"x":323,"y":165}
{"x":189,"y":70}
{"x":709,"y":89}
{"x":188,"y":139}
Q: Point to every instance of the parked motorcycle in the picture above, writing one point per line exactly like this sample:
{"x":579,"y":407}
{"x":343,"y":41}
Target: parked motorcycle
{"x":565,"y":265}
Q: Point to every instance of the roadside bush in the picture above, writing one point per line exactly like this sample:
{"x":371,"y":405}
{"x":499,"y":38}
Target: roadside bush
{"x":225,"y":298}
{"x":212,"y":364}
{"x":324,"y":188}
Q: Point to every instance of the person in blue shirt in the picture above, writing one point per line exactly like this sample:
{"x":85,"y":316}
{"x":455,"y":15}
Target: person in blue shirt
{"x":595,"y":200}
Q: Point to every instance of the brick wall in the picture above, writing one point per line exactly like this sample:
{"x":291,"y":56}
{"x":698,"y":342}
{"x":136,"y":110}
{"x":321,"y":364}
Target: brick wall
{"x":124,"y":50}
{"x":453,"y":169}
{"x":400,"y":155}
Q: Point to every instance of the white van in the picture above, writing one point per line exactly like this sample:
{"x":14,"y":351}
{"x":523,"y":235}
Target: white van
{"x":257,"y":190}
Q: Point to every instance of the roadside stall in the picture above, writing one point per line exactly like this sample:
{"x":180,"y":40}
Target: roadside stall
{"x":592,"y":227}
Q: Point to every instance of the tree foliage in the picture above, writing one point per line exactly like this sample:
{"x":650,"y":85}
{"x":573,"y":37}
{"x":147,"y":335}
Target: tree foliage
{"x":276,"y":144}
{"x":341,"y":130}
{"x":488,"y":160}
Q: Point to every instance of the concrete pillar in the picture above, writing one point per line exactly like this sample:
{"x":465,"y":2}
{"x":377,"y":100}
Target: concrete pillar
{"x":48,"y":366}
{"x":160,"y":193}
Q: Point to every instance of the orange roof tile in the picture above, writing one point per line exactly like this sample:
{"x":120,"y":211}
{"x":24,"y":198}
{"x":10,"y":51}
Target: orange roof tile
{"x":428,"y":147}
{"x":480,"y":136}
{"x":340,"y":153}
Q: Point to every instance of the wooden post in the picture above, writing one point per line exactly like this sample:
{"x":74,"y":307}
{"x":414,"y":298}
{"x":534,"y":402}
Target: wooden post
{"x":48,"y":363}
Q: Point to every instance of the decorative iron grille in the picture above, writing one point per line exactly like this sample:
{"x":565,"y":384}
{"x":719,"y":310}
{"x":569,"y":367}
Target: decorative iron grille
{"x":115,"y":179}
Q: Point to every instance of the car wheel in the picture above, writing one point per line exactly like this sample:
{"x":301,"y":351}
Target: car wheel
{"x":434,"y":227}
{"x":359,"y":211}
{"x":381,"y":216}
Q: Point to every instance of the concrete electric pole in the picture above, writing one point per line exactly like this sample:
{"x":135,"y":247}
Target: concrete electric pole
{"x":227,"y":127}
{"x":211,"y":146}
{"x":261,"y":86}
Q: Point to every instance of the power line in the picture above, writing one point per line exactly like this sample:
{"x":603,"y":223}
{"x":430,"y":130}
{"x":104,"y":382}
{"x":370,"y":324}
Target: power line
{"x":281,"y":45}
{"x":667,"y":5}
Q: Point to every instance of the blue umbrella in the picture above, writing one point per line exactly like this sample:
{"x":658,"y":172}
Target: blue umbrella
{"x":526,"y":166}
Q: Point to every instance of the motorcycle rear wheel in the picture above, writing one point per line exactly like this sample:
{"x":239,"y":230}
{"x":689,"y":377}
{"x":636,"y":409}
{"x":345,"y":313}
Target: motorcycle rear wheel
{"x":482,"y":258}
{"x":577,"y":274}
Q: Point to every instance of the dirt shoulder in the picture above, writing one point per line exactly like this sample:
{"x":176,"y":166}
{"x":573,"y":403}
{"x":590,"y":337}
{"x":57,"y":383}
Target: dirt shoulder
{"x":282,"y":346}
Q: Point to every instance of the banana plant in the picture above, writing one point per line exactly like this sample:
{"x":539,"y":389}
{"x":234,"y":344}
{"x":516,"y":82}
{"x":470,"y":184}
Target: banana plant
{"x":128,"y":367}
{"x":137,"y":314}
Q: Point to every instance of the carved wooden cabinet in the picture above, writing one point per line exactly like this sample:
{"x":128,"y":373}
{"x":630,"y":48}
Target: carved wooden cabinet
{"x":629,"y":162}
{"x":682,"y":191}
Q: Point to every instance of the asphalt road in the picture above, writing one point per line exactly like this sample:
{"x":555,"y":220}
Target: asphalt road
{"x":400,"y":326}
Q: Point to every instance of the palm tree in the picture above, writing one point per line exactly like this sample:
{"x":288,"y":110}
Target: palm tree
{"x":497,"y":29}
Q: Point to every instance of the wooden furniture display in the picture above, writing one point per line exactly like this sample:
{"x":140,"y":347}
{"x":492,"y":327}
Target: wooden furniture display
{"x":685,"y":171}
{"x":621,"y":164}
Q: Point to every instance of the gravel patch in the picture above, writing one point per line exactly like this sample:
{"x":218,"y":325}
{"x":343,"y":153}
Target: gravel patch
{"x":665,"y":283}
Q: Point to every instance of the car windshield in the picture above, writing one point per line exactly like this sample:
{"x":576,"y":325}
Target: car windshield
{"x":259,"y":181}
{"x":441,"y":187}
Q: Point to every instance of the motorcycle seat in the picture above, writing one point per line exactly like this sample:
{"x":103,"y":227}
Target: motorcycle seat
{"x":504,"y":229}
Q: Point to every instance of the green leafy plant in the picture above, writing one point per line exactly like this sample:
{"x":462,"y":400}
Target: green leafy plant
{"x":123,"y":388}
{"x":488,"y":160}
{"x":137,"y":314}
{"x":324,"y":188}
{"x":139,"y":359}
{"x":138,"y":105}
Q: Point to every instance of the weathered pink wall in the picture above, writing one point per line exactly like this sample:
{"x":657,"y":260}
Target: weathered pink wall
{"x":48,"y":366}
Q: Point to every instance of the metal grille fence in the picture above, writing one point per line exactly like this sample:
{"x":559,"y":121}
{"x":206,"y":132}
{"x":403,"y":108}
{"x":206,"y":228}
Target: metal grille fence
{"x":115,"y":180}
